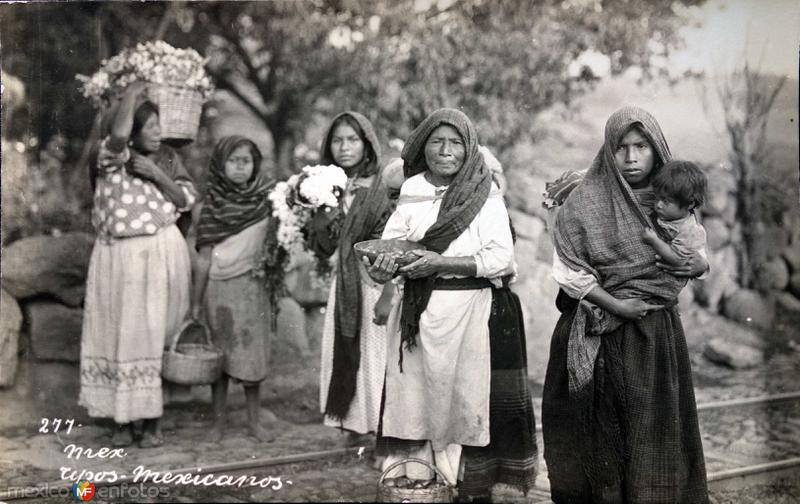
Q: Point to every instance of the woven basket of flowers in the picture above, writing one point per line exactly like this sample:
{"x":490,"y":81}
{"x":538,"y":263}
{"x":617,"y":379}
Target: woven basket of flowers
{"x":177,"y":83}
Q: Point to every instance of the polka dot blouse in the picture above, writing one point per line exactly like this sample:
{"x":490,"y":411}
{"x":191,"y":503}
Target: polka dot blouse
{"x":126,"y":205}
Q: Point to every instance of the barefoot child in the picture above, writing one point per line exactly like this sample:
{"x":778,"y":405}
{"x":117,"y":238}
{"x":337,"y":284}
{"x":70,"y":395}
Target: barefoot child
{"x":230,"y":237}
{"x":680,"y":188}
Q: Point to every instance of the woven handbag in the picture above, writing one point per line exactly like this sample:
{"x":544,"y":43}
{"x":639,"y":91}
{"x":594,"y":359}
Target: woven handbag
{"x":192,"y":363}
{"x":435,"y":493}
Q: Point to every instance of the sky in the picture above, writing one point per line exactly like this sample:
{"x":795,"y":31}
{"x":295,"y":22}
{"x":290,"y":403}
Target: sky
{"x":766,"y":31}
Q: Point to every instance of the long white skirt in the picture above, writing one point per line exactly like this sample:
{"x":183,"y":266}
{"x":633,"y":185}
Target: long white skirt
{"x":365,"y":408}
{"x":442,"y":394}
{"x":137,"y":294}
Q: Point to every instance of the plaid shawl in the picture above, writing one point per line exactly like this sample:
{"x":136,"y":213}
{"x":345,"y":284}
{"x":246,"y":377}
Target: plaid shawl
{"x":463,"y":200}
{"x":597,"y":230}
{"x":364,"y":220}
{"x":228,"y":208}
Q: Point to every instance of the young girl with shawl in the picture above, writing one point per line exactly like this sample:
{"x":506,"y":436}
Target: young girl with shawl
{"x":137,"y":287}
{"x":230,"y":239}
{"x":353,"y":360}
{"x":619,"y":414}
{"x":456,"y":384}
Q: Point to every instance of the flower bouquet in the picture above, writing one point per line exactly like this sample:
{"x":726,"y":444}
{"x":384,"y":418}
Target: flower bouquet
{"x":179,"y":83}
{"x":294,"y":202}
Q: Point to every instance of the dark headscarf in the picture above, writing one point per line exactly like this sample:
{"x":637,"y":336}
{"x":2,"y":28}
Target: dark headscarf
{"x":465,"y":196}
{"x":370,"y":162}
{"x":229,"y":208}
{"x":364,"y":220}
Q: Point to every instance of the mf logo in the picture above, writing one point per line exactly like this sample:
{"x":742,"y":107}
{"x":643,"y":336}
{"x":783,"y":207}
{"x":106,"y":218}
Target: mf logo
{"x":83,"y":490}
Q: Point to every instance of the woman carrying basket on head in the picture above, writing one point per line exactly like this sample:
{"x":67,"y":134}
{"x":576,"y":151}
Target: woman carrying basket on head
{"x":230,"y":239}
{"x":618,"y":409}
{"x":456,"y":380}
{"x":137,"y":288}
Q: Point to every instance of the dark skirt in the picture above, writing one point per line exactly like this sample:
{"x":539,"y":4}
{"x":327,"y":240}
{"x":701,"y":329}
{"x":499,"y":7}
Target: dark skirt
{"x":632,"y":436}
{"x":511,"y":456}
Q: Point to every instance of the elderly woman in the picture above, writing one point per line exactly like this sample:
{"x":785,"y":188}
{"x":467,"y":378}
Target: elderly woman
{"x":619,"y":414}
{"x":456,"y":379}
{"x":353,"y":361}
{"x":137,"y":288}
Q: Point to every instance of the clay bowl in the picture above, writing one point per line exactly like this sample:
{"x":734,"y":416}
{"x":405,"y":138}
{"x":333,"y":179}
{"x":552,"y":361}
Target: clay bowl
{"x":399,"y":249}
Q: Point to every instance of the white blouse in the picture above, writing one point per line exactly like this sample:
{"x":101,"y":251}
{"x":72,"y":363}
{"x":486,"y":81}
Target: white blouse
{"x":487,"y":239}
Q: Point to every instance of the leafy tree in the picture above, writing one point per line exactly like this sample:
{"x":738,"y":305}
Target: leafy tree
{"x":501,"y":60}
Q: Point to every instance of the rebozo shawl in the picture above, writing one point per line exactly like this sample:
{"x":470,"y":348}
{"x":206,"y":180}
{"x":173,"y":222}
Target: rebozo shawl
{"x":364,"y":220}
{"x":598,"y":231}
{"x":462,"y":202}
{"x":229,"y":208}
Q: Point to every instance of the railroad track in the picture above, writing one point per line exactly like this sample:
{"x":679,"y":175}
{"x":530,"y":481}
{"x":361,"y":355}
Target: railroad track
{"x":746,"y":473}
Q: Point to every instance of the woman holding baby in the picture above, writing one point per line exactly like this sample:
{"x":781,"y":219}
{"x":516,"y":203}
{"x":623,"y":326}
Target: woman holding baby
{"x":619,"y":414}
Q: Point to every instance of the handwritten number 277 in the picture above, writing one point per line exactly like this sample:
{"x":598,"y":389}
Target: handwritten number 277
{"x":55,"y":425}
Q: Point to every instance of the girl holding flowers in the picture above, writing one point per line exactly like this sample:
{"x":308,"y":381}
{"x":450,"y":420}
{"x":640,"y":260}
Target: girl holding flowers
{"x":230,"y":238}
{"x":137,"y":288}
{"x":353,"y":342}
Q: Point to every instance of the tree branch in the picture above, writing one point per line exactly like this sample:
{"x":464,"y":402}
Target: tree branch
{"x":223,"y":82}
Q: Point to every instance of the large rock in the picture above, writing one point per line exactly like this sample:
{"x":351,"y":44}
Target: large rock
{"x":717,"y":233}
{"x":10,"y":325}
{"x":55,"y":330}
{"x":791,"y":221}
{"x":533,"y":238}
{"x":792,"y":257}
{"x":721,"y":280}
{"x":787,"y":318}
{"x":735,"y":355}
{"x":770,"y":242}
{"x":794,"y":284}
{"x":50,"y":265}
{"x":527,"y":226}
{"x":305,"y":287}
{"x":702,"y":326}
{"x":721,"y":201}
{"x":750,"y":307}
{"x":290,"y":342}
{"x":525,"y":191}
{"x":537,"y":292}
{"x":772,"y":275}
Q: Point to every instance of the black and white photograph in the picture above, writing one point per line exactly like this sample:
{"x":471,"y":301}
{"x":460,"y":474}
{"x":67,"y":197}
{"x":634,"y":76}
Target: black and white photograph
{"x":513,"y":251}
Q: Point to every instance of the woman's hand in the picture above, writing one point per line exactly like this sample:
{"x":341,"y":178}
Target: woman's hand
{"x":382,"y":270}
{"x":136,"y":89}
{"x":695,"y":266}
{"x":634,"y":308}
{"x":146,"y":168}
{"x":322,"y":219}
{"x":381,"y":311}
{"x":428,"y":264}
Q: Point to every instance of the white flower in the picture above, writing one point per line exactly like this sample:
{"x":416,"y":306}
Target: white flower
{"x":156,"y":62}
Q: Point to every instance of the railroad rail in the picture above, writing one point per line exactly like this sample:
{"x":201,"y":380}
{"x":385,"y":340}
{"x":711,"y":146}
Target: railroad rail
{"x":743,"y":476}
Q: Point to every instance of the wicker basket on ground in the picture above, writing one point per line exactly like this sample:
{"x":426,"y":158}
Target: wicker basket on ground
{"x":437,"y":491}
{"x":192,"y":363}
